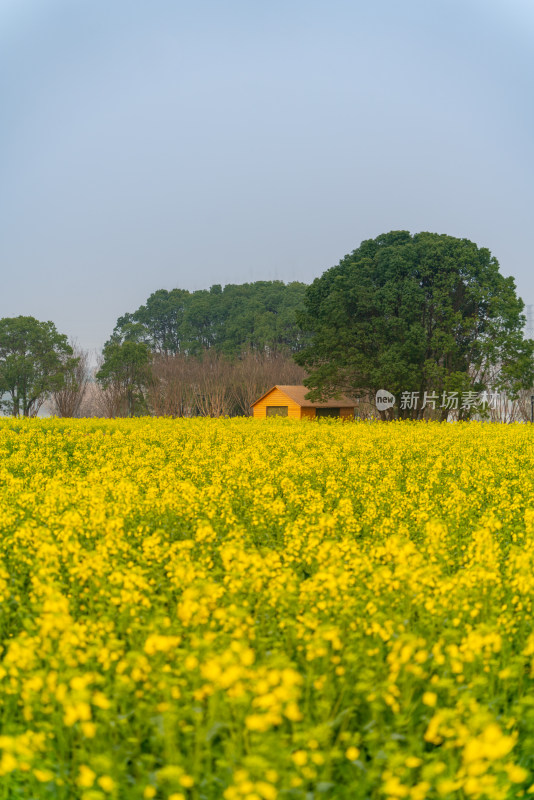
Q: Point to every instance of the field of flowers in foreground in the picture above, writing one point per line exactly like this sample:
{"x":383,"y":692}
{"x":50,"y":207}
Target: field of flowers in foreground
{"x":250,"y":610}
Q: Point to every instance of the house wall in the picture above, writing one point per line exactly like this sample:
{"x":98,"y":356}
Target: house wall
{"x":310,"y":413}
{"x":276,"y":398}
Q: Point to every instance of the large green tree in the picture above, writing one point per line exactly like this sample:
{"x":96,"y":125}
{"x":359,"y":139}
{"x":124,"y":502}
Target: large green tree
{"x":422,"y":313}
{"x":126,"y":370}
{"x":33,"y":360}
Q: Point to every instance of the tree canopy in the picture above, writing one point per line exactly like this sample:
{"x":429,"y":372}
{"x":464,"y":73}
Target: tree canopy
{"x":33,"y":360}
{"x":125,"y":367}
{"x":415,"y":313}
{"x":253,"y":316}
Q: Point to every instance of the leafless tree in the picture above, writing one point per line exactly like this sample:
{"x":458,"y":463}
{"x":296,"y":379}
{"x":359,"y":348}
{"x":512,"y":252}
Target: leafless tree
{"x":212,"y":380}
{"x":110,"y":401}
{"x":170,"y":394}
{"x":524,"y":405}
{"x":502,"y":409}
{"x":67,"y":401}
{"x":98,"y":401}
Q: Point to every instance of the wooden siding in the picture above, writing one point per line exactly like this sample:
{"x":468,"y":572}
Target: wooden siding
{"x":311,"y":413}
{"x":276,"y":398}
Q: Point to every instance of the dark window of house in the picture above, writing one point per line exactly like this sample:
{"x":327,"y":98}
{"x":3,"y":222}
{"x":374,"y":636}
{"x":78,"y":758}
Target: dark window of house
{"x":277,"y":411}
{"x":327,"y":412}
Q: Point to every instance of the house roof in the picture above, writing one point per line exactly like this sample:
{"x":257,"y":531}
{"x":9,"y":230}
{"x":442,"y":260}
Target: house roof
{"x":297,"y":394}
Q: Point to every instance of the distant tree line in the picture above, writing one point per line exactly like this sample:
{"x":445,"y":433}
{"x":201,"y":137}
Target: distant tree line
{"x":258,"y":317}
{"x":424,"y":314}
{"x":210,"y":352}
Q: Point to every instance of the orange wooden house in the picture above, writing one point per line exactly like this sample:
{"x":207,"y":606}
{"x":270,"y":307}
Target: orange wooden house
{"x":290,"y":401}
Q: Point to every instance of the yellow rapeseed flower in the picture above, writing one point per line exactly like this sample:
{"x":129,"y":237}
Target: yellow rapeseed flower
{"x":86,"y":777}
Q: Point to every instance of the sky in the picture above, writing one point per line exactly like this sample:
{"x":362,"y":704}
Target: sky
{"x":182,"y":144}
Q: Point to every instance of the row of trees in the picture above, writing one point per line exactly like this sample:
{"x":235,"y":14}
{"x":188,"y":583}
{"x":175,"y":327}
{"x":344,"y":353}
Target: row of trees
{"x":204,"y":352}
{"x":38,"y":366}
{"x":426,"y":313}
{"x":255,"y":316}
{"x":212,"y":384}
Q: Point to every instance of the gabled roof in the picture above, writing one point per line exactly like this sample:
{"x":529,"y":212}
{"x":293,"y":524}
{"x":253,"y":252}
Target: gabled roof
{"x":297,"y":394}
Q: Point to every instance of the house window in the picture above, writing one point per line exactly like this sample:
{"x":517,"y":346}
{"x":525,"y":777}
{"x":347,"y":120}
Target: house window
{"x":277,"y":411}
{"x":327,"y":412}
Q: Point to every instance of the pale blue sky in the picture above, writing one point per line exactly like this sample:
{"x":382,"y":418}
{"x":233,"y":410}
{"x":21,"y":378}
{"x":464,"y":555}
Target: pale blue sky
{"x":148,"y":145}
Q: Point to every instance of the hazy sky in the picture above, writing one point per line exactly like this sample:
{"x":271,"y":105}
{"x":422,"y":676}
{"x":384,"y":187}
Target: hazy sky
{"x":148,"y":145}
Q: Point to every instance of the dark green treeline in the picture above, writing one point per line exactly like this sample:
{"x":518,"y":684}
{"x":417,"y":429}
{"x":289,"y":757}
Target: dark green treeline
{"x":258,"y":316}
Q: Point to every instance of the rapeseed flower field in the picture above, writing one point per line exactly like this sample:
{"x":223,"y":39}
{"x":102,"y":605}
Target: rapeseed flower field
{"x":243,"y":609}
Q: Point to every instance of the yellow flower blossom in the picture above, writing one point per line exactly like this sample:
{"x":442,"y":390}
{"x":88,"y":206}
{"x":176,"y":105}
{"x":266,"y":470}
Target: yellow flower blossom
{"x":86,"y":777}
{"x":300,"y":757}
{"x":106,"y":783}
